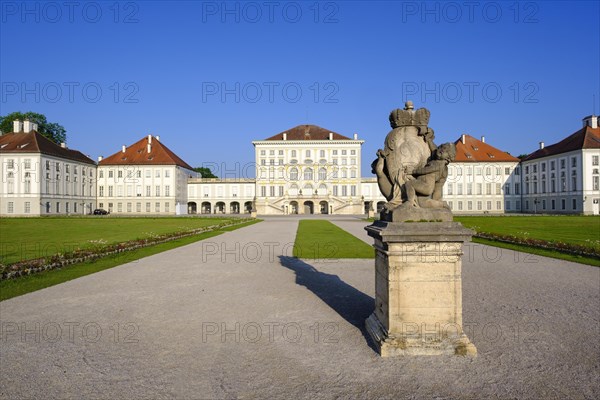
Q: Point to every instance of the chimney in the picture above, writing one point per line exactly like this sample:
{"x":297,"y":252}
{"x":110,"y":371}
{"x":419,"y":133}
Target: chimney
{"x":356,"y":136}
{"x":17,"y":126}
{"x":463,"y":138}
{"x":284,"y":135}
{"x":149,"y":148}
{"x":63,"y":145}
{"x":149,"y":139}
{"x":157,"y":138}
{"x":27,"y":126}
{"x":330,"y":136}
{"x":100,"y":158}
{"x":123,"y":148}
{"x":483,"y":139}
{"x":541,"y":145}
{"x":591,"y":121}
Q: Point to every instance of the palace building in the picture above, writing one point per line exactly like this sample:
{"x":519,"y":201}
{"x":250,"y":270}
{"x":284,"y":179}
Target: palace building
{"x":564,"y":177}
{"x":306,"y":169}
{"x":40,"y":177}
{"x":146,"y":177}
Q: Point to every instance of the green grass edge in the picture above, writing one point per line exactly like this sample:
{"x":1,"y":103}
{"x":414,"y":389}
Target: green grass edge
{"x":26,"y":284}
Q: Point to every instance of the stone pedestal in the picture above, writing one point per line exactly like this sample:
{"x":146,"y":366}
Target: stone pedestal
{"x":418,"y":291}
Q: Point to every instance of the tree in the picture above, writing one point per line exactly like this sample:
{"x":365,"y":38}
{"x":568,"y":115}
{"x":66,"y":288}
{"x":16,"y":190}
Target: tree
{"x":205,"y":172}
{"x":522,"y":156}
{"x":51,"y":130}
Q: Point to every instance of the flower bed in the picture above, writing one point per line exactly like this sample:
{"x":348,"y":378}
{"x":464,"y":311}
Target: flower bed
{"x":562,"y":247}
{"x":28,"y":267}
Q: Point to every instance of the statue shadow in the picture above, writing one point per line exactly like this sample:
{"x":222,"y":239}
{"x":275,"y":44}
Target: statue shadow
{"x":350,"y":303}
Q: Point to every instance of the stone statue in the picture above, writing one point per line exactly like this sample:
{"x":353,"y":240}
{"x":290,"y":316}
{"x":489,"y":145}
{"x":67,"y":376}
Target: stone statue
{"x":411,"y":169}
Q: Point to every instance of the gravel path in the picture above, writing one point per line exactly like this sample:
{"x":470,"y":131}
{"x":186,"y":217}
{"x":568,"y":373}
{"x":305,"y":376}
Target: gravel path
{"x":235,"y":316}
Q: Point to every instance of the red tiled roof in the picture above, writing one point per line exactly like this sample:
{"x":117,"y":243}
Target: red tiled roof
{"x":474,"y":150}
{"x":137,"y":154}
{"x":308,"y":132}
{"x":585,"y":138}
{"x":33,"y":142}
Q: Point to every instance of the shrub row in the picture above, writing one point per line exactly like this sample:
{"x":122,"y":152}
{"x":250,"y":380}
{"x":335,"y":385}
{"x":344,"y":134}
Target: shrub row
{"x":562,"y":247}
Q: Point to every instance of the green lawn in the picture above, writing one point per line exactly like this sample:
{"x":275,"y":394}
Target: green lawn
{"x":320,"y":239}
{"x":19,"y":286}
{"x":27,"y":238}
{"x":573,"y":229}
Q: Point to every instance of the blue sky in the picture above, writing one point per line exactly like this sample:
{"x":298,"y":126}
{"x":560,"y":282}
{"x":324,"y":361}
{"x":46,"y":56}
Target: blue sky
{"x":210,"y":77}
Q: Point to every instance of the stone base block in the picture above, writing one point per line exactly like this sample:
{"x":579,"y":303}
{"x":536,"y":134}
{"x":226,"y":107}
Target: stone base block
{"x":431,"y":344}
{"x":416,"y":214}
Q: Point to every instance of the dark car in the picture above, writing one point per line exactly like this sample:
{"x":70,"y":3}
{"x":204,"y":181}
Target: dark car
{"x":100,"y":211}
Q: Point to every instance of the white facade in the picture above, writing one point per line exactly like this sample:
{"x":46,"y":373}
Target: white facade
{"x":308,"y":176}
{"x":143,"y":189}
{"x":483,"y":187}
{"x":563,"y":182}
{"x":35,"y":183}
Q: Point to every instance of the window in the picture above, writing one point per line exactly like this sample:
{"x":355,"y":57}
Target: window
{"x":344,"y":190}
{"x":101,"y":191}
{"x":280,"y":191}
{"x":353,"y":174}
{"x":280,"y":152}
{"x":147,"y":207}
{"x":120,"y":191}
{"x":157,"y":191}
{"x":459,"y":188}
{"x":506,"y":170}
{"x":563,"y":204}
{"x":478,"y":171}
{"x":460,"y":206}
{"x":596,"y":183}
{"x":271,"y":152}
{"x":129,"y":190}
{"x":517,"y":188}
{"x":307,"y":153}
{"x":27,"y":207}
{"x":308,"y":174}
{"x":111,"y":173}
{"x":552,"y":165}
{"x":138,"y":207}
{"x":148,"y":190}
{"x":263,"y":152}
{"x":294,"y":174}
{"x":148,"y":175}
{"x":157,"y":175}
{"x":574,"y":204}
{"x":573,"y":162}
{"x":334,"y":152}
{"x":101,"y":174}
{"x":479,"y":205}
{"x":167,"y":190}
{"x":263,"y":191}
{"x":335,"y":190}
{"x":553,"y":205}
{"x":507,"y":205}
{"x":470,"y":188}
{"x":488,"y":188}
{"x":595,"y":160}
{"x":138,"y":173}
{"x":573,"y":183}
{"x":110,"y":191}
{"x":562,"y":163}
{"x":157,"y":207}
{"x":322,"y":153}
{"x":10,"y":207}
{"x":119,"y":207}
{"x":167,"y":173}
{"x":469,"y":171}
{"x":498,"y":188}
{"x":272,"y":191}
{"x":128,"y":207}
{"x":543,"y":167}
{"x":119,"y":173}
{"x":353,"y":190}
{"x":469,"y":205}
{"x":449,"y":188}
{"x":322,"y":174}
{"x":293,"y":153}
{"x":167,"y":207}
{"x":352,"y":152}
{"x":534,"y":168}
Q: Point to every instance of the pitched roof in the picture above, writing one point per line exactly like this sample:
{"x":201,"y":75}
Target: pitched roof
{"x":33,"y":142}
{"x":585,"y":138}
{"x":308,"y":132}
{"x":474,"y":150}
{"x":137,"y":154}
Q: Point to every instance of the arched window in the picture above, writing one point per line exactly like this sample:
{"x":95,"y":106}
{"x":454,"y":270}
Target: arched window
{"x":308,"y":174}
{"x":322,"y":174}
{"x":322,"y":189}
{"x":294,"y":174}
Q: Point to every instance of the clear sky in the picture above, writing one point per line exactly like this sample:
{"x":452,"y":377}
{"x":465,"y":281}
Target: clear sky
{"x":210,"y":77}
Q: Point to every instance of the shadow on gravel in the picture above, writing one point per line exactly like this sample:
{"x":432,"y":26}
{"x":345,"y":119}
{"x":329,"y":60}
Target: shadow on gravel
{"x":352,"y":304}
